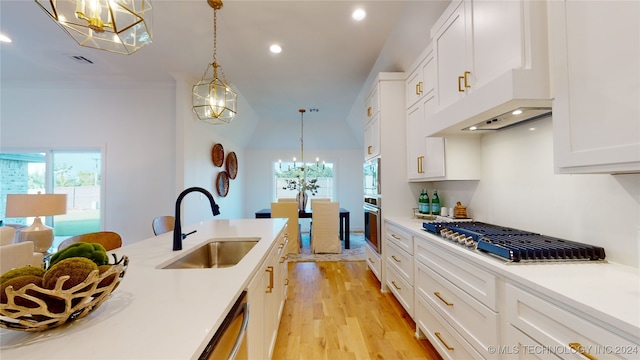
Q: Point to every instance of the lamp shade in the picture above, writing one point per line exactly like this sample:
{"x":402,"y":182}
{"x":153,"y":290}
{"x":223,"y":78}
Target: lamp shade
{"x":23,"y":205}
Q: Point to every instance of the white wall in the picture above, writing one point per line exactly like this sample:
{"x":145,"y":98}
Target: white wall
{"x":519,"y":189}
{"x":153,"y":147}
{"x":132,"y":123}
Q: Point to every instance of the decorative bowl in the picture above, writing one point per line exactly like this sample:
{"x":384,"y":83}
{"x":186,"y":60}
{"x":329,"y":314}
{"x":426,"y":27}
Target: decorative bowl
{"x":43,"y":309}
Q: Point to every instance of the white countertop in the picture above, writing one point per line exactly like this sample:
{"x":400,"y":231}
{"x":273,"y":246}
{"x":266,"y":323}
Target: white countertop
{"x":606,"y":291}
{"x":155,"y":313}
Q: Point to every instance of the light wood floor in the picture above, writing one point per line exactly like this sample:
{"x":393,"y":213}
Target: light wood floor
{"x":335,"y":310}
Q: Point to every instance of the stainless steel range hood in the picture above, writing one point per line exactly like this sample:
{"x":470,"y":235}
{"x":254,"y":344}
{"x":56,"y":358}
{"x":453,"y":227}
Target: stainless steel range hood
{"x":510,"y":118}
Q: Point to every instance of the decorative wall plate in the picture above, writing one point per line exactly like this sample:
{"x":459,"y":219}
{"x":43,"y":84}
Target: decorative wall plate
{"x":222,"y":183}
{"x":217,"y":155}
{"x":232,"y":165}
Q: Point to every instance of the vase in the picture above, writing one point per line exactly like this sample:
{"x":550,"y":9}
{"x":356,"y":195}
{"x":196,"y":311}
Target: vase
{"x":301,"y":198}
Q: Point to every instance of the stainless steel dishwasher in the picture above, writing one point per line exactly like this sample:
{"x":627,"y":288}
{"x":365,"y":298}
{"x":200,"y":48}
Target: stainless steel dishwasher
{"x":230,"y":341}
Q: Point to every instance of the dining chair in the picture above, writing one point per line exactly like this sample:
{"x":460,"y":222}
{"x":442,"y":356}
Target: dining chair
{"x":163,"y":224}
{"x":18,"y":255}
{"x":325,"y":236}
{"x":315,"y":200}
{"x":108,"y":239}
{"x":289,"y":210}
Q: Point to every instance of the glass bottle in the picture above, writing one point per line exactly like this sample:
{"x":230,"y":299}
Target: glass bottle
{"x":435,"y":203}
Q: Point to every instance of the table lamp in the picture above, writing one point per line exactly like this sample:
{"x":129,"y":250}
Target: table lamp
{"x":25,"y":205}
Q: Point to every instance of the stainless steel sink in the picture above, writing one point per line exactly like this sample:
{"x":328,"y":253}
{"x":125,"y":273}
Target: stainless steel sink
{"x":216,"y":253}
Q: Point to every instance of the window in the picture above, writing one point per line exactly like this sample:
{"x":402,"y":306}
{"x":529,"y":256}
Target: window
{"x":75,"y":173}
{"x":287,"y":171}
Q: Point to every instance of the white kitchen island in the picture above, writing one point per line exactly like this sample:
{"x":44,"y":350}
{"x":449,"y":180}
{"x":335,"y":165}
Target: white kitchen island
{"x":156,"y":313}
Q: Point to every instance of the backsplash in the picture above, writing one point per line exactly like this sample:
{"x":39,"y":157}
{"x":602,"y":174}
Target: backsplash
{"x":519,"y":189}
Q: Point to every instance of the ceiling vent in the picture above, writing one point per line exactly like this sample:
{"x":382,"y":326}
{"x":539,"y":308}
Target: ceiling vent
{"x":81,"y":59}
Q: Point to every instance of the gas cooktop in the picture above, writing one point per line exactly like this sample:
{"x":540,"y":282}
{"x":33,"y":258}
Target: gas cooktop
{"x":512,"y":244}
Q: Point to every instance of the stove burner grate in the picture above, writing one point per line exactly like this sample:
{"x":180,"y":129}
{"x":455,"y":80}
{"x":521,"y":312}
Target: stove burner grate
{"x":516,"y":245}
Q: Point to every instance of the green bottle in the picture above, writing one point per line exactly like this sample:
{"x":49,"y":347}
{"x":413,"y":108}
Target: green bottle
{"x":435,"y":203}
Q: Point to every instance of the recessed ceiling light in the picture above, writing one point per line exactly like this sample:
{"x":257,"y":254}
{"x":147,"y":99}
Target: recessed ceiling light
{"x":358,"y":14}
{"x":275,"y":48}
{"x":517,"y":112}
{"x":4,"y":38}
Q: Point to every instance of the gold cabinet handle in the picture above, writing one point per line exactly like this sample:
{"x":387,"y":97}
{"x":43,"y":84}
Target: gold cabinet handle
{"x":369,"y":149}
{"x":369,"y":111}
{"x":420,"y":169}
{"x":580,"y":349}
{"x":437,"y":293}
{"x":395,"y":258}
{"x":437,"y":334}
{"x":395,"y":236}
{"x":282,"y":259}
{"x":371,"y":261}
{"x":280,"y":246}
{"x":270,"y":287}
{"x":396,"y":285}
{"x":466,"y":81}
{"x":460,"y":78}
{"x":286,"y":282}
{"x":418,"y":89}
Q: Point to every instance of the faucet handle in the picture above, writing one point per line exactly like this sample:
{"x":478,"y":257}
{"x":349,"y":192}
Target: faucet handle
{"x":184,"y":236}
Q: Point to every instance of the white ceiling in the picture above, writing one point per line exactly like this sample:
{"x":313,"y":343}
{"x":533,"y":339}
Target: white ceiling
{"x":325,"y":61}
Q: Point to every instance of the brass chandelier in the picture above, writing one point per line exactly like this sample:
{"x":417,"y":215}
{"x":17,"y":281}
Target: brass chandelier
{"x":214,"y":101}
{"x":119,"y":26}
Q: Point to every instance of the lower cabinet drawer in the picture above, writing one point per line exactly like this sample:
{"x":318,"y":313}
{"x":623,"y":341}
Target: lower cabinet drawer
{"x":443,"y":337}
{"x":519,"y":345}
{"x":474,"y":321}
{"x":401,"y":289}
{"x":401,"y":261}
{"x":374,"y":261}
{"x":564,"y":332}
{"x":472,"y":279}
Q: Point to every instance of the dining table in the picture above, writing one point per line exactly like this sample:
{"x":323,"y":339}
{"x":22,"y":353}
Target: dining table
{"x":344,"y":221}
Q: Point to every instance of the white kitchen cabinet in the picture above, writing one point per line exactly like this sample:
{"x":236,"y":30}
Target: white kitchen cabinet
{"x":372,"y":138}
{"x":566,"y":330}
{"x":464,"y":296}
{"x":399,"y":262}
{"x":478,"y":77}
{"x":596,"y":85}
{"x":374,"y":261}
{"x":422,"y":80}
{"x":372,"y":104}
{"x":444,"y":338}
{"x":450,"y":158}
{"x":266,"y":298}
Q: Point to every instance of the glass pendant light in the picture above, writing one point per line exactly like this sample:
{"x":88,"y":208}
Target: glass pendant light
{"x":214,"y":101}
{"x":119,"y":26}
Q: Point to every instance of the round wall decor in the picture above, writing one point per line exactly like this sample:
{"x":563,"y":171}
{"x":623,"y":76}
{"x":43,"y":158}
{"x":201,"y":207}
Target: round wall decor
{"x":217,"y":155}
{"x":222,"y":183}
{"x":232,"y":165}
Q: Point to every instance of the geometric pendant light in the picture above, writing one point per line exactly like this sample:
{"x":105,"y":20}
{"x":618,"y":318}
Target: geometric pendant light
{"x":213,"y":100}
{"x":119,"y":26}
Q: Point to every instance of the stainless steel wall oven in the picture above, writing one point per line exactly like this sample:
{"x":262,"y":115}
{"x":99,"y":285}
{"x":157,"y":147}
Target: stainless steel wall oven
{"x":372,"y":222}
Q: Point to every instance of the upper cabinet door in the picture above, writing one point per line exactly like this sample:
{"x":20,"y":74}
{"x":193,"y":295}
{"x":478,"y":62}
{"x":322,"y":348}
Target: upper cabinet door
{"x":596,"y":78}
{"x":452,"y":43}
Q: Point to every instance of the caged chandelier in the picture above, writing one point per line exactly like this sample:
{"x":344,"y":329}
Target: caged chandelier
{"x":214,"y":101}
{"x":118,"y":26}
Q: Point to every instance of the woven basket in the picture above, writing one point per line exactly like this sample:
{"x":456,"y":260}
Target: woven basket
{"x":50,"y":308}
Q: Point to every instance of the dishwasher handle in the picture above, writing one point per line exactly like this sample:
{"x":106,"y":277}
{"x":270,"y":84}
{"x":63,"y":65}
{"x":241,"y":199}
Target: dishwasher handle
{"x":244,"y":309}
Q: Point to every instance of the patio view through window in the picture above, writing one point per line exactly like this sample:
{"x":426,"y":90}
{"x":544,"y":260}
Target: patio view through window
{"x":284,"y":171}
{"x":77,"y":174}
